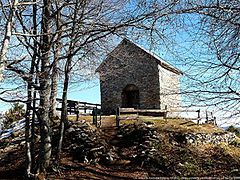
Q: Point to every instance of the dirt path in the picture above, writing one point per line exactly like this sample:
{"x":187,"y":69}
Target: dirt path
{"x":70,"y":169}
{"x":108,"y":121}
{"x":118,"y":170}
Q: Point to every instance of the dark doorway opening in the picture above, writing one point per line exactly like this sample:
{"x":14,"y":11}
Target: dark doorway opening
{"x":130,"y":96}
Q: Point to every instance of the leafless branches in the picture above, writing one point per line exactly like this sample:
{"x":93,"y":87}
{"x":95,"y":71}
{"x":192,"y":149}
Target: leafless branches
{"x":42,"y":38}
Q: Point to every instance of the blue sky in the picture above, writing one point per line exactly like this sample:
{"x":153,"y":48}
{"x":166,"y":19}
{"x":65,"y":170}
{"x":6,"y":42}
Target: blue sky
{"x":90,"y":91}
{"x":86,"y":92}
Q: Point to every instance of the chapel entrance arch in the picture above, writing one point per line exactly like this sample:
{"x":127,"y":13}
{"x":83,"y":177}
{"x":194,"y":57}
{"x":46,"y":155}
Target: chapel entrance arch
{"x":130,"y":96}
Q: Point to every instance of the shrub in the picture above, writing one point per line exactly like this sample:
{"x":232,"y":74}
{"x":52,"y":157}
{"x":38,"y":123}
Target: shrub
{"x":234,"y":130}
{"x":15,"y":113}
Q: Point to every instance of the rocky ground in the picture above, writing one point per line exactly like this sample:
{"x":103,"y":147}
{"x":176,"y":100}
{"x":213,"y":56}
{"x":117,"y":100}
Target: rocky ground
{"x":137,"y":150}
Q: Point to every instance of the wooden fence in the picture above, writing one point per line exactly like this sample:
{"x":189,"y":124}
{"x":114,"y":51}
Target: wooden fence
{"x":153,"y":112}
{"x":201,"y":114}
{"x":162,"y":113}
{"x":74,"y":107}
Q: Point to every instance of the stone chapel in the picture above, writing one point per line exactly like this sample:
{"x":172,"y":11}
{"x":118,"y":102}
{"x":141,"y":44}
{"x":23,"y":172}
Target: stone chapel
{"x":133,"y":77}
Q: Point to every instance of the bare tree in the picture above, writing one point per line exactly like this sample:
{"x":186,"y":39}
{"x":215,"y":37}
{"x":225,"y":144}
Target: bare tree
{"x":91,"y":22}
{"x":212,"y":70}
{"x":8,"y":33}
{"x":72,"y":31}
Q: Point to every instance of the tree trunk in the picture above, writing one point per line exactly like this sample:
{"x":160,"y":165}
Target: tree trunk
{"x":34,"y":70}
{"x":30,"y":140}
{"x":54,"y":84}
{"x":44,"y":80}
{"x":7,"y":37}
{"x":54,"y":88}
{"x":27,"y":128}
{"x":64,"y":119}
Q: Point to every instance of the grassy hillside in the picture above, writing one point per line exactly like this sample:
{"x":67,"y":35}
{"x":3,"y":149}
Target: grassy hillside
{"x":177,"y":125}
{"x":149,"y":147}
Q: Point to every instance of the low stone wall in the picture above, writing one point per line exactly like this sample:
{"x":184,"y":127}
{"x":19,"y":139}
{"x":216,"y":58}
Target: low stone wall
{"x":214,"y":138}
{"x":84,"y":142}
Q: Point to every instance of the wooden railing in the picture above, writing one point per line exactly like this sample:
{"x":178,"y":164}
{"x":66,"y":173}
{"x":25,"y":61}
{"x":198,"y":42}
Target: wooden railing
{"x":74,"y":107}
{"x":121,"y":111}
{"x":208,"y":115}
{"x":162,"y":113}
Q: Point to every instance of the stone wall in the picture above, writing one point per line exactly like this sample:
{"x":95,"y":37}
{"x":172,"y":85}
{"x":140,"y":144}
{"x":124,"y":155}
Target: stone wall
{"x":129,"y":64}
{"x":204,"y":138}
{"x":169,"y":89}
{"x":214,"y":138}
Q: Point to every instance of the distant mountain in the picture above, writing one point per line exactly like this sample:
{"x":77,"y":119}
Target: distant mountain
{"x":226,"y":127}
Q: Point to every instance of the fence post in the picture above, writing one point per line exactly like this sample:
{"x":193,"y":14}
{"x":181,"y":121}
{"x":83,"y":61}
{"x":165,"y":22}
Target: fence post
{"x":85,"y":108}
{"x":100,"y":117}
{"x":215,"y":121}
{"x":118,"y":117}
{"x":207,"y":116}
{"x":94,"y":113}
{"x":77,"y":111}
{"x":198,"y":121}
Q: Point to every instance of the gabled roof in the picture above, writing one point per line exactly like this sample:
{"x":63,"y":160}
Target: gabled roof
{"x":159,"y":60}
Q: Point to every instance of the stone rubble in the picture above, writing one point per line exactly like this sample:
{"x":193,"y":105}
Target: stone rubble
{"x":143,"y":140}
{"x":134,"y":143}
{"x":84,"y":142}
{"x":204,"y":138}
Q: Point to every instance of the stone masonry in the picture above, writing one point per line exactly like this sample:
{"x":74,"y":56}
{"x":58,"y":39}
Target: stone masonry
{"x":156,"y":83}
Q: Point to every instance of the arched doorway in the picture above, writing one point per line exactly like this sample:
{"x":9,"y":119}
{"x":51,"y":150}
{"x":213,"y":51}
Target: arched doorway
{"x":130,"y":96}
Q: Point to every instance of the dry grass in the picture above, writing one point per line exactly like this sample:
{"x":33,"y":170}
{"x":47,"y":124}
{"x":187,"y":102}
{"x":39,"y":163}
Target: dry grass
{"x":106,"y":120}
{"x":232,"y":151}
{"x":177,"y":125}
{"x":86,"y":118}
{"x":184,"y":126}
